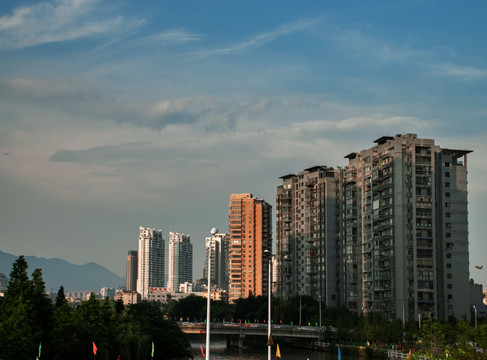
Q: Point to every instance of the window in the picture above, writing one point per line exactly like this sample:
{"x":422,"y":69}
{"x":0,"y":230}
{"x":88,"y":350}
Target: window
{"x":447,"y":164}
{"x":447,"y":174}
{"x":448,"y":276}
{"x":447,"y":194}
{"x":447,"y":184}
{"x":448,"y":214}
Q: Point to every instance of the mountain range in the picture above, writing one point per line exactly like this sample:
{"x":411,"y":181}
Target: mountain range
{"x":57,"y":272}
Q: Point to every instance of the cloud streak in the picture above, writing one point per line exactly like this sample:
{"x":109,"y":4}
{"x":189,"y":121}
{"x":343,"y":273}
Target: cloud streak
{"x":259,"y":40}
{"x":60,"y":20}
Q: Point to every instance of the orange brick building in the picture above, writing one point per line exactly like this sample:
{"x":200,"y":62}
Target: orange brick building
{"x":250,"y":228}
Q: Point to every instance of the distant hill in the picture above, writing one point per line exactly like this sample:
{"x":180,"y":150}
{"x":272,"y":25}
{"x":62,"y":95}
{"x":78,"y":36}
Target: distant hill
{"x":57,"y":272}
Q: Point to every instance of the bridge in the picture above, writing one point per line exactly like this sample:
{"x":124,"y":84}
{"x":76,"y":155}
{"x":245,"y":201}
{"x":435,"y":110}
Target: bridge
{"x":236,"y":332}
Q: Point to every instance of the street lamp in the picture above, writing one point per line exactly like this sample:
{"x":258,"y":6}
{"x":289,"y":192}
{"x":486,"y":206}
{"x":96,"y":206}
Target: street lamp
{"x":320,"y":310}
{"x":268,"y":254}
{"x":475,"y":308}
{"x":213,"y":231}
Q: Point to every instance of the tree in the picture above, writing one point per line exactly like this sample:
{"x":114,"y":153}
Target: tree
{"x":26,"y":317}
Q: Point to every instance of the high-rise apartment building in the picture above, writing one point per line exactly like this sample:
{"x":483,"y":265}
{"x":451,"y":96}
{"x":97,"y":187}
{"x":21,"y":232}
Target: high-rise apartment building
{"x":180,"y":268}
{"x":250,"y":225}
{"x":218,"y":245}
{"x":388,"y":233}
{"x":405,"y":229}
{"x":131,"y":274}
{"x":307,"y":234}
{"x":150,"y":261}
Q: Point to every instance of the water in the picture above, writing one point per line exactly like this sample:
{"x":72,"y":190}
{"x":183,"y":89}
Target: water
{"x":255,"y":350}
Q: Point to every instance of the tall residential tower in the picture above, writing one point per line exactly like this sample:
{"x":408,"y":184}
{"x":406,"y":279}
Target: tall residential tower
{"x":131,"y":275}
{"x":150,"y":260}
{"x":307,"y":232}
{"x":250,"y":225}
{"x":405,"y":229}
{"x":180,"y":268}
{"x":218,"y":244}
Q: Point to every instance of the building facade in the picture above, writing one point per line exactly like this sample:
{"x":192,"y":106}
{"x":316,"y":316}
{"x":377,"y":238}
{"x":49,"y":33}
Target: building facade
{"x":387,"y":233}
{"x":131,"y":274}
{"x":180,"y":269}
{"x":218,"y":245}
{"x":308,"y":234}
{"x":405,"y":229}
{"x":150,"y":260}
{"x":250,"y":228}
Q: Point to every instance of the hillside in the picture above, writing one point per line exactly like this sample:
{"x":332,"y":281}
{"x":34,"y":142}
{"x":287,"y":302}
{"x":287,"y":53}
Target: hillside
{"x":57,"y":272}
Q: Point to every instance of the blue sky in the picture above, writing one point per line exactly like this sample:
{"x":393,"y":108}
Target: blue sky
{"x":120,"y":114}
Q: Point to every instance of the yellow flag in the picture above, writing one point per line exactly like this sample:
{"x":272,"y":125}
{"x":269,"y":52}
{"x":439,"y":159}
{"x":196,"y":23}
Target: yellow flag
{"x":278,"y":353}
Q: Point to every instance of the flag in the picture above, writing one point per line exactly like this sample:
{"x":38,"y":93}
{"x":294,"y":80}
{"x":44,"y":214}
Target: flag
{"x":152,"y":353}
{"x":339,"y":354}
{"x":278,"y":353}
{"x":39,"y":350}
{"x":94,"y":348}
{"x":202,"y":351}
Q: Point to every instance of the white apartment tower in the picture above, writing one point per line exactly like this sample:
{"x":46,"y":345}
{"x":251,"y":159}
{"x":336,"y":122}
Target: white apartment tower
{"x":150,"y":260}
{"x":218,"y":244}
{"x":180,"y":268}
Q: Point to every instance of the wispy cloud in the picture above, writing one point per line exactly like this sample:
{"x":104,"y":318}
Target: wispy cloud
{"x":460,"y":71}
{"x":259,"y":40}
{"x":60,"y":20}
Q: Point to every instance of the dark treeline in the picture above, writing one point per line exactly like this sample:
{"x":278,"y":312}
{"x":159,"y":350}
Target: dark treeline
{"x":28,"y":318}
{"x":30,"y":323}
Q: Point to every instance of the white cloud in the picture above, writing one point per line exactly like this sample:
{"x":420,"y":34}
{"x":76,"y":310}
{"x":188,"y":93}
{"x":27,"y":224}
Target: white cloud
{"x":260,"y":39}
{"x":60,"y":20}
{"x":460,"y":71}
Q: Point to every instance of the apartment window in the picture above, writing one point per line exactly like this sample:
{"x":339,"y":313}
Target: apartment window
{"x":448,"y":225}
{"x":447,"y":184}
{"x":448,"y":276}
{"x":448,"y":266}
{"x":448,"y":235}
{"x":448,"y":286}
{"x":447,"y":214}
{"x":447,"y":164}
{"x":447,"y":194}
{"x":447,"y":204}
{"x":447,"y":174}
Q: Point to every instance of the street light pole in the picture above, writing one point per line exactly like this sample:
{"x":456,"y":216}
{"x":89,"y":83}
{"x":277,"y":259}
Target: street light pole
{"x":268,"y":254}
{"x":299,"y":310}
{"x":320,"y":311}
{"x":213,"y":231}
{"x":475,"y":308}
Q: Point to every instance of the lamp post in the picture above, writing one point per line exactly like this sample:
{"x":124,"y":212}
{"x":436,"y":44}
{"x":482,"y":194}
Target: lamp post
{"x":475,"y":308}
{"x":299,"y":310}
{"x":320,"y":311}
{"x":213,"y":231}
{"x":268,"y":254}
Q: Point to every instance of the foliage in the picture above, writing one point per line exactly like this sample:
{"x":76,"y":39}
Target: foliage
{"x":29,"y":319}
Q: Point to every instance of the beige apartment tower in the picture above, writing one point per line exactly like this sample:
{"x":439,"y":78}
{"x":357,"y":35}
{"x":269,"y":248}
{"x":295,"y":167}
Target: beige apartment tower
{"x":405,"y":230}
{"x":307,"y":234}
{"x":250,"y":228}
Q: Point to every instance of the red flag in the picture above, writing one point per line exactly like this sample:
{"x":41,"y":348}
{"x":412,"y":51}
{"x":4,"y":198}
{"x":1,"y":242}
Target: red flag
{"x":201,"y":347}
{"x":94,"y":348}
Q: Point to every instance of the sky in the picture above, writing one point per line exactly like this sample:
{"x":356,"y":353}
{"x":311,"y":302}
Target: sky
{"x":116,"y":115}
